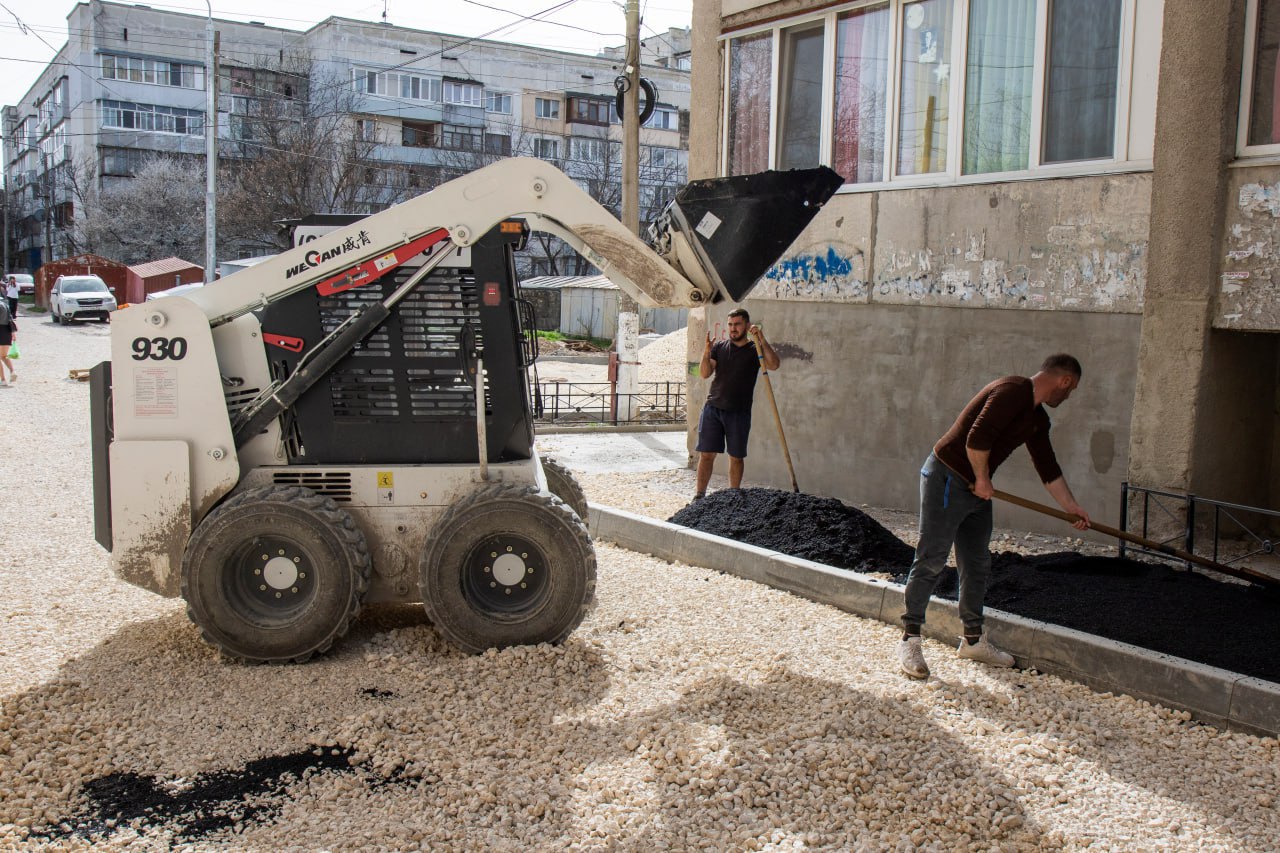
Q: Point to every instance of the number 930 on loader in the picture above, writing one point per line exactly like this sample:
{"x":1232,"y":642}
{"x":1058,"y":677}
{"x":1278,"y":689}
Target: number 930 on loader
{"x":351,"y":421}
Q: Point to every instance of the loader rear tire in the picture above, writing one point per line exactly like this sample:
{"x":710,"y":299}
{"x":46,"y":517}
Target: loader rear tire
{"x":275,"y":575}
{"x":563,"y":486}
{"x":507,"y":566}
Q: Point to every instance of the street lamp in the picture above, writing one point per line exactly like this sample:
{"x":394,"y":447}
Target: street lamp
{"x":210,"y":154}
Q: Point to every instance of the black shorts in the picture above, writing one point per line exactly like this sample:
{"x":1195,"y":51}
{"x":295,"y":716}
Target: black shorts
{"x":6,"y":335}
{"x":720,"y":427}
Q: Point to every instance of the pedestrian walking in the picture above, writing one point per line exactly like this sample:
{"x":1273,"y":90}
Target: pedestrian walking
{"x":8,"y":334}
{"x":955,"y":499}
{"x":725,"y":422}
{"x":11,"y":293}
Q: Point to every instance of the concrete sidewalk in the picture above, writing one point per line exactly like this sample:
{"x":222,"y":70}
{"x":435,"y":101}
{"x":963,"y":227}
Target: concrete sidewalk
{"x":1215,"y":696}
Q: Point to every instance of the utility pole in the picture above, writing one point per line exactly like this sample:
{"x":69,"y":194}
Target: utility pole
{"x":211,"y":150}
{"x":627,"y":339}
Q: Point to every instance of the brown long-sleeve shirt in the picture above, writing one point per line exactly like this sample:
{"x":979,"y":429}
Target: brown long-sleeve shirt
{"x":1001,"y":417}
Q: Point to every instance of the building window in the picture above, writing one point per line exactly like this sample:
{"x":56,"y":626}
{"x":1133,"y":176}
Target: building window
{"x":498,"y":143}
{"x":1262,"y":70}
{"x":664,"y":158}
{"x":367,"y":129}
{"x":664,"y":118}
{"x":590,"y":110}
{"x":462,"y":138}
{"x":151,"y":117}
{"x":975,"y":87}
{"x":1080,"y":86}
{"x":157,"y":71}
{"x":546,"y":108}
{"x":463,"y":94}
{"x":123,"y":162}
{"x":998,"y":80}
{"x":546,"y":149}
{"x":496,"y":102}
{"x":800,"y":104}
{"x":862,"y":93}
{"x":408,"y":87}
{"x":420,"y":134}
{"x":588,"y":150}
{"x":750,"y":103}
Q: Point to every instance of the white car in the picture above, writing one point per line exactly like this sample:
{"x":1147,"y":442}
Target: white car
{"x":177,"y":290}
{"x":76,"y":297}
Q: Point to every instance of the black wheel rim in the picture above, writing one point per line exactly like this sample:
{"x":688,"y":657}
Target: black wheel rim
{"x":271,"y":579}
{"x":506,"y":573}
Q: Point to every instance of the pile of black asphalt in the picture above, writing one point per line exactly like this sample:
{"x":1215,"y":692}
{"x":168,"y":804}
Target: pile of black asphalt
{"x":1156,"y":606}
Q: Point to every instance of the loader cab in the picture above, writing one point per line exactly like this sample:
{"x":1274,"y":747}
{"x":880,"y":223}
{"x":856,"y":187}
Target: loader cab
{"x":407,"y":393}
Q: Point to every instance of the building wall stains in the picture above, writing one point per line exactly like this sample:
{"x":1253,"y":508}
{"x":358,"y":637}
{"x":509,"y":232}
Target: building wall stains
{"x":1249,"y":290}
{"x":1076,"y":245}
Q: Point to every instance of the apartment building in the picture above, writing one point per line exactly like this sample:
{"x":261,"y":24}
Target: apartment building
{"x":130,"y":83}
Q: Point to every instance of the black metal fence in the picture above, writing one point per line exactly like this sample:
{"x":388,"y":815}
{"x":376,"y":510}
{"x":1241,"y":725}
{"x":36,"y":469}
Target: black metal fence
{"x":566,"y":403}
{"x":1195,"y":522}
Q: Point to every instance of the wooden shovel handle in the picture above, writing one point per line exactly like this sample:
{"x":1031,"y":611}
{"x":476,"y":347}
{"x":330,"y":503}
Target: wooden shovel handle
{"x":1235,"y":571}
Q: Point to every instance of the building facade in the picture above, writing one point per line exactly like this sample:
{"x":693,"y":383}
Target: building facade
{"x":1021,"y":177}
{"x":130,"y":84}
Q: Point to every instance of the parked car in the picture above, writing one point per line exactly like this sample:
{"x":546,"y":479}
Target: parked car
{"x":76,"y":297}
{"x":177,"y":290}
{"x":26,"y":284}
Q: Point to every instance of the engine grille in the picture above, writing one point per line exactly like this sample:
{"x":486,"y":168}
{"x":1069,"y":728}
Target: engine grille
{"x":333,"y":484}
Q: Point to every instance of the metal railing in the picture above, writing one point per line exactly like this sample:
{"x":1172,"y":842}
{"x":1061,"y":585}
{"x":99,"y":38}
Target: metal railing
{"x":1216,"y":520}
{"x":599,"y":403}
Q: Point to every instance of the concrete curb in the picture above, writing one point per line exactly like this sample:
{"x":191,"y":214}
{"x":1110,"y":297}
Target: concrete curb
{"x":1215,"y":696}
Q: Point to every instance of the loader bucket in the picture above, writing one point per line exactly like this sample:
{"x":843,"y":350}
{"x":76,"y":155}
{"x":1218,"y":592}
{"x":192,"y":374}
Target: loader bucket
{"x":740,"y":226}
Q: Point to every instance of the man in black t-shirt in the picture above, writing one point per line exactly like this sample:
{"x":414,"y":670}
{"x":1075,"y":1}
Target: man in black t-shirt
{"x":726,"y":417}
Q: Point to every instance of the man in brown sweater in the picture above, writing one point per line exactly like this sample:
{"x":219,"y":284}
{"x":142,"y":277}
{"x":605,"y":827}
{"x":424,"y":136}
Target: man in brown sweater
{"x":955,"y":499}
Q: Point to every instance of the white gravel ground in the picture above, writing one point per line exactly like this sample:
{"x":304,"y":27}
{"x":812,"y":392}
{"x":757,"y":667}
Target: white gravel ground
{"x":691,"y":711}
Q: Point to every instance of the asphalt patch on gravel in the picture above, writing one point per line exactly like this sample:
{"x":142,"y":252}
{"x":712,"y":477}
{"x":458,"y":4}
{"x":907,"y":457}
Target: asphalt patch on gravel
{"x":195,"y":808}
{"x":1157,"y":607}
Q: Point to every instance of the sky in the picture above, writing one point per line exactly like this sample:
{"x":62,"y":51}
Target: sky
{"x":31,"y":31}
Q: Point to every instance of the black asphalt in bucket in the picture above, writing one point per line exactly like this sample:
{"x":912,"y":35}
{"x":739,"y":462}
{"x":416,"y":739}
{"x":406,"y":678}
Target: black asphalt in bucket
{"x":1154,"y":606}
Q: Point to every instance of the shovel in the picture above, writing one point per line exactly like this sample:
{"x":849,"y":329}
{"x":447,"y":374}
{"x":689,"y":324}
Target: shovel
{"x":777,"y":418}
{"x":1235,"y":571}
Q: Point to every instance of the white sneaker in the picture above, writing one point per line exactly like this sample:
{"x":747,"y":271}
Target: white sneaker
{"x":983,"y":652}
{"x":911,"y":658}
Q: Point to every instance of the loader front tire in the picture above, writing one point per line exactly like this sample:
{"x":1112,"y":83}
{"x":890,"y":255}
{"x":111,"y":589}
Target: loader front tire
{"x":275,"y":575}
{"x":565,"y":487}
{"x":507,"y":566}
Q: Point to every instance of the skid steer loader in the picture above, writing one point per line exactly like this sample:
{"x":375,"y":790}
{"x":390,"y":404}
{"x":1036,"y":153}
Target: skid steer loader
{"x":351,"y":422}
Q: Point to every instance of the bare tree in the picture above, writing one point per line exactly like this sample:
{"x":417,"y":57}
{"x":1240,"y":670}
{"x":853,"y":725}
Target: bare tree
{"x":298,"y":146}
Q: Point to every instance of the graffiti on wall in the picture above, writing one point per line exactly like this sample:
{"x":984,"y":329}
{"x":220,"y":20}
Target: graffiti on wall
{"x":825,"y":274}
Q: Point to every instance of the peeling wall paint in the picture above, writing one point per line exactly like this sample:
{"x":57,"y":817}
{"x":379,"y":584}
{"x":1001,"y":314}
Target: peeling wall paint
{"x":1076,"y":244}
{"x":1249,"y":292}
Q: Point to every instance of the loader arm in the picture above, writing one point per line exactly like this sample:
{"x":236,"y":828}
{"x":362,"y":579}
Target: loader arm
{"x":712,"y":228}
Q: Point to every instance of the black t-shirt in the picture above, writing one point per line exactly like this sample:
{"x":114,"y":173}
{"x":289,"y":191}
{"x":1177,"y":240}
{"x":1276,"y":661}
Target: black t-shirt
{"x":734,"y":383}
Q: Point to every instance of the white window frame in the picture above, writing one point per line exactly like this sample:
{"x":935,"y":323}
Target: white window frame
{"x":494,"y":101}
{"x":551,"y":105}
{"x":671,"y":117}
{"x":1036,"y":169}
{"x":1243,"y":148}
{"x":546,"y":140}
{"x":462,"y":94}
{"x":154,"y":67}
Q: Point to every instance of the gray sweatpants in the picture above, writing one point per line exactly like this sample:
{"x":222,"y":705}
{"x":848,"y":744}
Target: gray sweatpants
{"x":949,"y":514}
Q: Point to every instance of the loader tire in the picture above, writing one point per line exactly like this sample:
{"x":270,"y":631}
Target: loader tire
{"x":275,"y":575}
{"x":565,"y":487}
{"x":507,"y":566}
